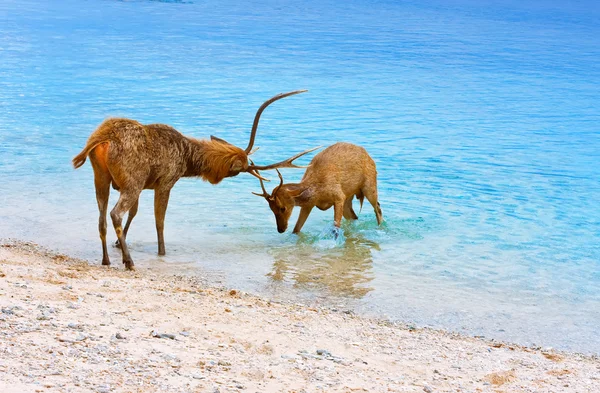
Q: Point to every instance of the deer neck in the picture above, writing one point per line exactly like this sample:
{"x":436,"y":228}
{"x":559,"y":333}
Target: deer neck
{"x":194,"y":162}
{"x":214,"y":160}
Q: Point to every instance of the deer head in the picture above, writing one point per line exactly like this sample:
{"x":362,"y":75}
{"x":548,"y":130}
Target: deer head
{"x":237,"y":159}
{"x":281,"y":202}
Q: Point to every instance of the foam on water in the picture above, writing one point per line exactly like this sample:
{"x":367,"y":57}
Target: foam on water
{"x":482,"y":119}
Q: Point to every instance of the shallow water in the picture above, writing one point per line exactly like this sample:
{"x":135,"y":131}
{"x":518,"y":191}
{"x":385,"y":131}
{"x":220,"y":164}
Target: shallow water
{"x":483,"y":119}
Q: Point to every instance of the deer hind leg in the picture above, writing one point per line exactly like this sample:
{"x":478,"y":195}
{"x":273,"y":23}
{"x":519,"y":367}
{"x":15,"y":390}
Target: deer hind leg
{"x":349,"y":213}
{"x":161,"y":200}
{"x":370,"y":192}
{"x":126,"y":201}
{"x":102,"y":180}
{"x":132,"y":212}
{"x":102,"y":194}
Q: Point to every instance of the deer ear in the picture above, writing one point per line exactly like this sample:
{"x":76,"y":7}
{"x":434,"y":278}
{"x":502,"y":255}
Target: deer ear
{"x":215,"y":139}
{"x":301,"y":195}
{"x":237,"y":166}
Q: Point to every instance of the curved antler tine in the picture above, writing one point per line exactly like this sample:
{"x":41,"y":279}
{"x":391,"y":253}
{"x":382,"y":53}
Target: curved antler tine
{"x":255,"y":173}
{"x":253,"y":151}
{"x":280,"y":178}
{"x":283,"y":164}
{"x":262,"y":185}
{"x":260,"y":111}
{"x":259,"y":177}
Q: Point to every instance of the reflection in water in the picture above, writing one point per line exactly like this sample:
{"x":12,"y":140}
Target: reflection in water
{"x":313,"y":263}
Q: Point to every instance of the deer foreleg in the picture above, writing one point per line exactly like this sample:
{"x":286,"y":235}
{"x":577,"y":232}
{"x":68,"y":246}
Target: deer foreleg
{"x":161,"y":200}
{"x":349,"y":213}
{"x":338,"y":212}
{"x":304,"y":213}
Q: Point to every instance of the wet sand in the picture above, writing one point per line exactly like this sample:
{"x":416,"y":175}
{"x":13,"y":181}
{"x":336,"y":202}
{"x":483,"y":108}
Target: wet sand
{"x":68,"y":325}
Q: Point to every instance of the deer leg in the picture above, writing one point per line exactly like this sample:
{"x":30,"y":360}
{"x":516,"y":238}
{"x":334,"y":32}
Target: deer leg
{"x":370,"y":192}
{"x":102,"y":179}
{"x":349,"y":213}
{"x":304,"y":213}
{"x":338,"y":211}
{"x":102,"y":194}
{"x":126,"y":201}
{"x":132,"y":212}
{"x":161,"y":200}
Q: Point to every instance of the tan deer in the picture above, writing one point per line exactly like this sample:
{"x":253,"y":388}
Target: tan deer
{"x":333,"y":178}
{"x":133,"y":157}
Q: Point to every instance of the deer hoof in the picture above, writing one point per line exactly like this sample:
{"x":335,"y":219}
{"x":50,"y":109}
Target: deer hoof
{"x":106,"y":262}
{"x":336,"y":232}
{"x":129,"y":265}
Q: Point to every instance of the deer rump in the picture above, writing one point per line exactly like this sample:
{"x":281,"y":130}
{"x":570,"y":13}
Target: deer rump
{"x":342,"y":167}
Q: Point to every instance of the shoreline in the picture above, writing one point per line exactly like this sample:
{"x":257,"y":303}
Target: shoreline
{"x":68,"y":325}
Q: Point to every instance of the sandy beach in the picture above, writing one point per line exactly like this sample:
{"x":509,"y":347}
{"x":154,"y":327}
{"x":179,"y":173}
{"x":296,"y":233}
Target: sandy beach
{"x":69,"y":325}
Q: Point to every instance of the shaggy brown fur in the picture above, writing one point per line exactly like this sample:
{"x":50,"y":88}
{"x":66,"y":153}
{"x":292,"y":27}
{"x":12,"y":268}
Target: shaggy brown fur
{"x":131,"y":157}
{"x":333,"y":178}
{"x":214,"y":160}
{"x":154,"y":144}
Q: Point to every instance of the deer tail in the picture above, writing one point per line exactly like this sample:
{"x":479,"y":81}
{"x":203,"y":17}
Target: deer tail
{"x":80,"y":158}
{"x":361,"y":198}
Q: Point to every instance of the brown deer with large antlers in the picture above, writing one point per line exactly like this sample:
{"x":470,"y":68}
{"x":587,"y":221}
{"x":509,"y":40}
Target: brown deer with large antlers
{"x":132,"y":157}
{"x":333,"y":178}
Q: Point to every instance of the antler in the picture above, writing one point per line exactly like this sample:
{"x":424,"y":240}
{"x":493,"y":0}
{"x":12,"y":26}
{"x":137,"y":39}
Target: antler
{"x":280,"y":178}
{"x":282,"y":164}
{"x":256,"y":174}
{"x":262,"y":185}
{"x":265,"y":194}
{"x":260,"y":111}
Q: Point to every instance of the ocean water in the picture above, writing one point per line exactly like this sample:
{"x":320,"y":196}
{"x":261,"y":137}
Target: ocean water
{"x":483,"y":118}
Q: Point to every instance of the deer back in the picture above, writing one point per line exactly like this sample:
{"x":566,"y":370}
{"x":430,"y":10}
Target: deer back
{"x":342,"y":165}
{"x":138,"y":153}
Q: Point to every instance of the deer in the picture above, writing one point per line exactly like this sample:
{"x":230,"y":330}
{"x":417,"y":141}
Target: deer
{"x":132,"y":157}
{"x":333,"y":178}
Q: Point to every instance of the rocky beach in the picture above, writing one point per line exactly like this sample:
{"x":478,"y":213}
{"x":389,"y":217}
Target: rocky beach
{"x":68,"y":325}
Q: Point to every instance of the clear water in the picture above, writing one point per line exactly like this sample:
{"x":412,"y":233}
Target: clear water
{"x":483,"y":118}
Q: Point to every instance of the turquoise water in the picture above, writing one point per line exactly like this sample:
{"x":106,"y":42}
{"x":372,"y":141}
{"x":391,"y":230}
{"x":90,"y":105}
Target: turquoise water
{"x":483,"y":119}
